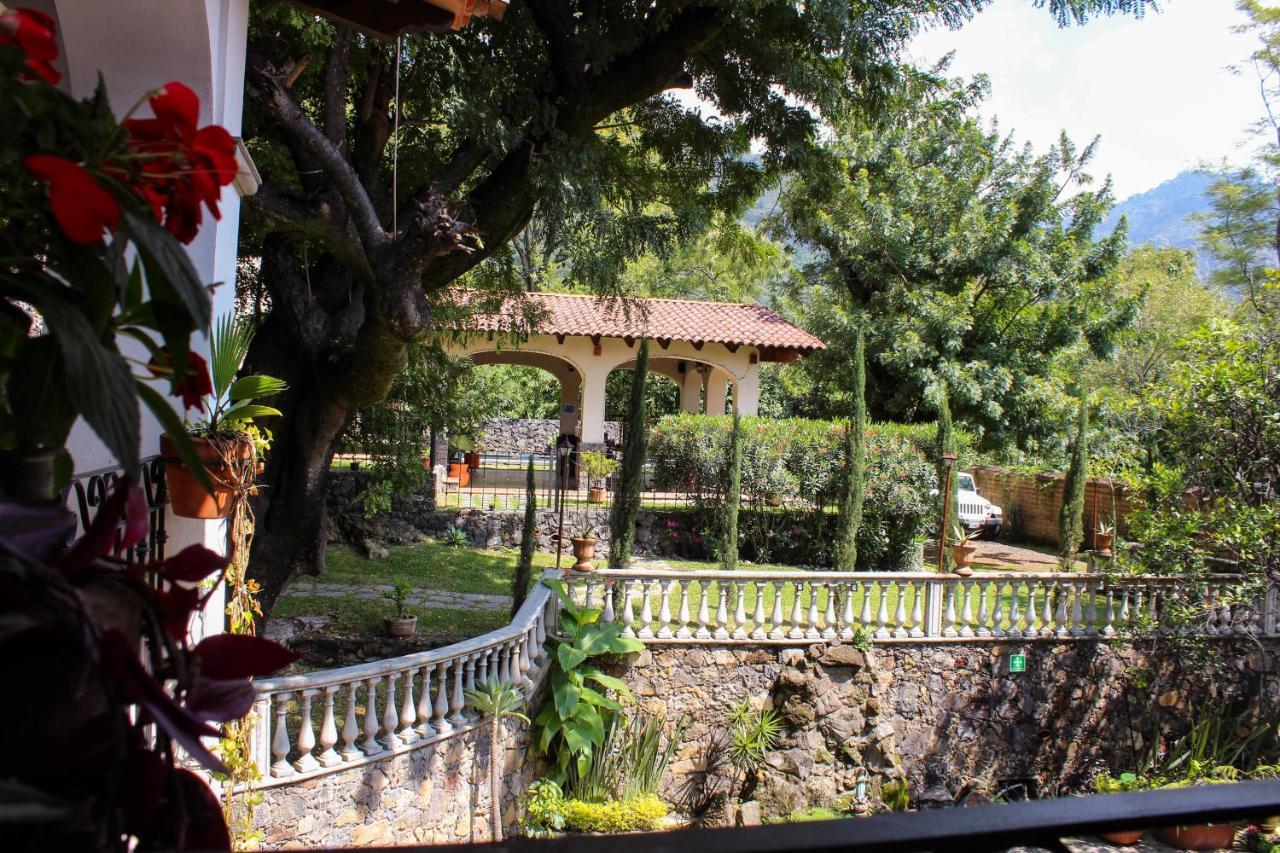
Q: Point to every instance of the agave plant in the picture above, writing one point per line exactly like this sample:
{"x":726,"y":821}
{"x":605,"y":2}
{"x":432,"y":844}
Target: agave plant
{"x":232,"y":406}
{"x":499,"y":700}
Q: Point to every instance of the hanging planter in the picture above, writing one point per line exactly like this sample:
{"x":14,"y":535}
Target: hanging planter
{"x":228,"y":462}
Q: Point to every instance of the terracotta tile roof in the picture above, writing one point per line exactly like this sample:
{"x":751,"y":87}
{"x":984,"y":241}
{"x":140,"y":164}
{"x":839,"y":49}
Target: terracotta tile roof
{"x":733,"y":323}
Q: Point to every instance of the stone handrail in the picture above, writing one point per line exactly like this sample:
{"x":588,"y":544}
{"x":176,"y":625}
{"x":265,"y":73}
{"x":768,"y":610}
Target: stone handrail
{"x":382,"y":713}
{"x":789,"y":607}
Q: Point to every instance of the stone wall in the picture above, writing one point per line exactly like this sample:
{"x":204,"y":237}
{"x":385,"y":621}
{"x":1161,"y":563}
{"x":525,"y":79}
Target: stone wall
{"x":1031,"y":502}
{"x":439,"y":794}
{"x":520,"y":437}
{"x":951,"y":717}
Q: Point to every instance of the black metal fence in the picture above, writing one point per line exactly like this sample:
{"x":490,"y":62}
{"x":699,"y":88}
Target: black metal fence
{"x":88,"y":490}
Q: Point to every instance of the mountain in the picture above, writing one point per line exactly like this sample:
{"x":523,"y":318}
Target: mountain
{"x":1160,"y":216}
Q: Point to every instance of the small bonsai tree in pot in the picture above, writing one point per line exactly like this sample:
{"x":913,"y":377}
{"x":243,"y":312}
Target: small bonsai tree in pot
{"x":584,"y":547}
{"x":403,"y":623}
{"x":227,"y":440}
{"x":599,"y":467}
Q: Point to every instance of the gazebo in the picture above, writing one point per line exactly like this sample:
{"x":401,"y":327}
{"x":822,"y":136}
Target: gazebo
{"x":711,"y":350}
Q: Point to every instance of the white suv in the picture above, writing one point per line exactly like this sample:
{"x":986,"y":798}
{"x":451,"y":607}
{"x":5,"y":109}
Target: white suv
{"x":976,"y":512}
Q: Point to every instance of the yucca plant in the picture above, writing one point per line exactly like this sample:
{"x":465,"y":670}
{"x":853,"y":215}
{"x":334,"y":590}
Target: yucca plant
{"x":499,"y":700}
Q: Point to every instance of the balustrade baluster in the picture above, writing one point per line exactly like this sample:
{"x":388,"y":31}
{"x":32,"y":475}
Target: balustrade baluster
{"x":408,"y":713}
{"x":722,"y":611}
{"x":1046,"y":610}
{"x":370,"y":744}
{"x":1123,"y":616}
{"x":684,"y":633}
{"x":1015,"y":610}
{"x":350,"y":729}
{"x":505,"y":675}
{"x":540,"y":635}
{"x":328,"y":731}
{"x":646,"y":610}
{"x":966,"y":613}
{"x":917,"y":610}
{"x":589,"y":595}
{"x":797,"y":612}
{"x":458,"y":701}
{"x":846,"y":618}
{"x":949,"y":616}
{"x":832,"y":628}
{"x":779,"y":629}
{"x":757,"y":617}
{"x":1091,"y":610}
{"x":812,"y":631}
{"x":608,"y":615}
{"x":664,"y":611}
{"x":1077,"y":613}
{"x":280,"y":739}
{"x":439,"y":720}
{"x":997,"y":615}
{"x":390,"y":716}
{"x":739,"y":593}
{"x":703,"y":631}
{"x":865,"y":616}
{"x":882,"y":609}
{"x":1032,"y":613}
{"x":306,"y":736}
{"x":425,"y":729}
{"x":628,"y":611}
{"x":472,"y":662}
{"x":982,"y":628}
{"x":1062,"y":591}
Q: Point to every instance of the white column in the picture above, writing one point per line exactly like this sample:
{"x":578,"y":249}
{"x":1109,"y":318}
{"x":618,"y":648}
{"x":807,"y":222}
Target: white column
{"x":691,"y":389}
{"x":570,"y":388}
{"x":717,"y":385}
{"x":747,"y":393}
{"x":593,"y":390}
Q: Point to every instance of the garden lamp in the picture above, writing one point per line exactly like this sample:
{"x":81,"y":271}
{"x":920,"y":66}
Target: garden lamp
{"x":563,"y":448}
{"x":948,"y":462}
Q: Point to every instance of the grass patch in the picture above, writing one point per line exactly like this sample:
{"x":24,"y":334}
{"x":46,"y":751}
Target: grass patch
{"x":358,"y":618}
{"x":430,"y":565}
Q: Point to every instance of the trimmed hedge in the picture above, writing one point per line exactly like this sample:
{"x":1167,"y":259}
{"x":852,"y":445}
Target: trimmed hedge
{"x":790,"y":483}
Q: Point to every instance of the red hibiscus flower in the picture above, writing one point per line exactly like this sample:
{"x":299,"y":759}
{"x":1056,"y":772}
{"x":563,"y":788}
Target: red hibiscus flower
{"x":80,"y":204}
{"x":195,"y":385}
{"x":33,"y":33}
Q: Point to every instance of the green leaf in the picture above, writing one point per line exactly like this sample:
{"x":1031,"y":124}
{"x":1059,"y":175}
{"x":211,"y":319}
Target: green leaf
{"x":600,"y":700}
{"x":248,"y":411}
{"x":565,"y":695}
{"x":577,"y":735}
{"x":228,"y":348}
{"x":570,"y":656}
{"x":253,"y":387}
{"x":599,"y":639}
{"x":172,"y":424}
{"x":590,"y":717}
{"x":625,"y":645}
{"x":608,"y":682}
{"x":171,"y":277}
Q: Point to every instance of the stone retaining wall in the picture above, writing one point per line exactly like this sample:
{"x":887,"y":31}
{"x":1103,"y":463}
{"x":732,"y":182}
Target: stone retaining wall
{"x":520,"y":437}
{"x":439,"y":794}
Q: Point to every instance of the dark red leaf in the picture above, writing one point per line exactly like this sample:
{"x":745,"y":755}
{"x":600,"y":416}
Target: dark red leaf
{"x":135,"y":517}
{"x":34,"y":532}
{"x":177,"y":603}
{"x":239,"y":656}
{"x":189,"y":818}
{"x":101,"y":537}
{"x":145,"y":774}
{"x":219,"y":700}
{"x":192,"y":564}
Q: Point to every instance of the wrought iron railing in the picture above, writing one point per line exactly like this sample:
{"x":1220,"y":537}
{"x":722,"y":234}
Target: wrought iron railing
{"x":88,"y":490}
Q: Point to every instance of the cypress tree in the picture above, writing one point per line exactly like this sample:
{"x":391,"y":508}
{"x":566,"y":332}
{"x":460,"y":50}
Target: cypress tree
{"x":528,"y":544}
{"x":732,"y":498}
{"x":626,"y":500}
{"x":855,"y":463}
{"x":946,"y":442}
{"x":1071,"y":517}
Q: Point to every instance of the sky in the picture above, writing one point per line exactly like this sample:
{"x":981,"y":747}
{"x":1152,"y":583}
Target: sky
{"x":1156,"y":90}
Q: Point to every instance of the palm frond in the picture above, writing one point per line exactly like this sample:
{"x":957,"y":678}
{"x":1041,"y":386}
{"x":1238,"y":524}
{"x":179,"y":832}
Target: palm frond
{"x":228,"y":349}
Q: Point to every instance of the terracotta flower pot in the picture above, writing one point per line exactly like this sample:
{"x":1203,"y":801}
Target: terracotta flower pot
{"x":963,"y":555}
{"x":473,"y":459}
{"x":187,"y":497}
{"x":398,"y":627}
{"x":1203,"y":836}
{"x":1128,"y":838}
{"x":460,"y":472}
{"x":1102,"y":542}
{"x":583,"y":551}
{"x":595,"y":495}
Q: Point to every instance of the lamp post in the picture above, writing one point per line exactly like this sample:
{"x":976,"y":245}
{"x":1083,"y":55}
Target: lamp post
{"x":948,"y":462}
{"x":563,"y":448}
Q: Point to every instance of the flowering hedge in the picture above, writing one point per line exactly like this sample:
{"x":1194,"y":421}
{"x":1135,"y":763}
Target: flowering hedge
{"x":791,"y":470}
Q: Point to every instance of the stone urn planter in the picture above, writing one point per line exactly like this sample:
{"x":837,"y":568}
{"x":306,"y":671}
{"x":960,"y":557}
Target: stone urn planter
{"x":1127,"y":838}
{"x":595,"y":495}
{"x":963,"y":556}
{"x":584,"y":549}
{"x":1202,"y":836}
{"x":400,"y":627}
{"x":1102,"y":542}
{"x":187,"y":497}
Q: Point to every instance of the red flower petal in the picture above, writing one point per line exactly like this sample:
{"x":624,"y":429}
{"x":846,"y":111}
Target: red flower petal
{"x":220,"y":147}
{"x":32,"y":31}
{"x":196,"y":384}
{"x":178,"y":107}
{"x":240,"y":656}
{"x":80,"y":205}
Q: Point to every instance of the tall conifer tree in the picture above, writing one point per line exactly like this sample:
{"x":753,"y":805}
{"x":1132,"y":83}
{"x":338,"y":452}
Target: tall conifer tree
{"x":1071,"y":516}
{"x":626,"y":500}
{"x":732,"y":497}
{"x":855,"y":463}
{"x":528,"y":544}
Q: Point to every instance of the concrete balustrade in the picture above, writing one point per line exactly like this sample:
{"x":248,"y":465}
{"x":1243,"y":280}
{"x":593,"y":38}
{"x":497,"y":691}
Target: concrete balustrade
{"x":792,"y":608}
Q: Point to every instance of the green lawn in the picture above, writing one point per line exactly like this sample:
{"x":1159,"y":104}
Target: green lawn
{"x":353,"y":617}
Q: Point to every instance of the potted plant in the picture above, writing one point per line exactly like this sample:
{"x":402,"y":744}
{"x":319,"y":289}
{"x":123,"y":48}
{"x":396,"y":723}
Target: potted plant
{"x":465,"y":443}
{"x":1105,"y":783}
{"x":599,"y":467}
{"x":403,"y":623}
{"x":226,"y":441}
{"x":961,"y":551}
{"x":1103,"y":538}
{"x":1201,"y":836}
{"x":584,"y":547}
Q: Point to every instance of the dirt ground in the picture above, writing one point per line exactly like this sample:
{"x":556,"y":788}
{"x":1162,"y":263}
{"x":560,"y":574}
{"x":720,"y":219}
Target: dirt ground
{"x":1006,"y":556}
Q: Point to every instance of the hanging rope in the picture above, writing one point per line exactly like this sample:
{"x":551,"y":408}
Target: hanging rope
{"x":395,"y":152}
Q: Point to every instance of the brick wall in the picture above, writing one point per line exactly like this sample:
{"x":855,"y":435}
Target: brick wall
{"x":1031,"y":502}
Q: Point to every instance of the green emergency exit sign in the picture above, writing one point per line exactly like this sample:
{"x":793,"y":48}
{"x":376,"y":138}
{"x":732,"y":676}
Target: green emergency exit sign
{"x":1017,"y":663}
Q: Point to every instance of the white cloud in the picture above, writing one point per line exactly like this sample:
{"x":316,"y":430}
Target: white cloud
{"x":1157,"y":90}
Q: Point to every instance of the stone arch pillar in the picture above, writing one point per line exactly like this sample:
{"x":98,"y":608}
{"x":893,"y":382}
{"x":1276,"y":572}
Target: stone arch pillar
{"x":718,"y":380}
{"x":691,"y":389}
